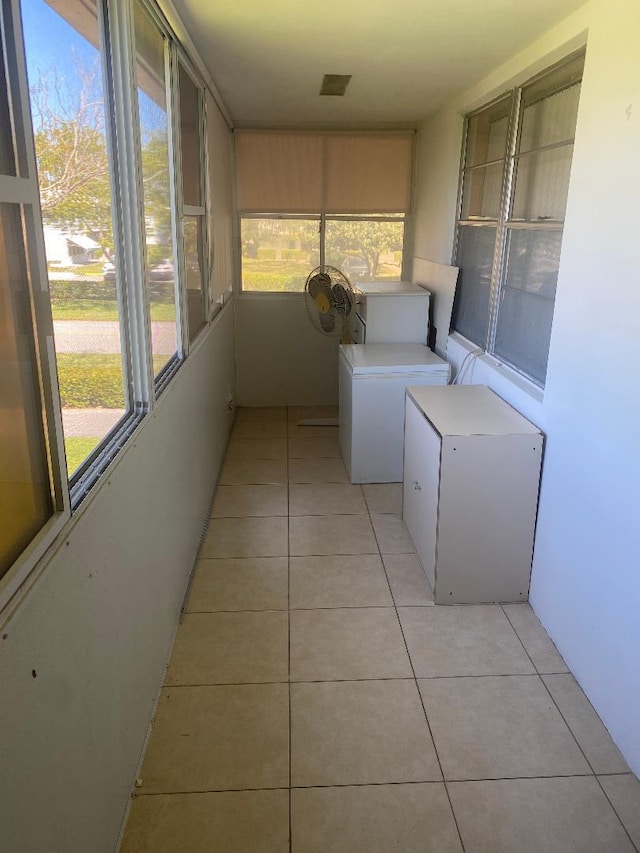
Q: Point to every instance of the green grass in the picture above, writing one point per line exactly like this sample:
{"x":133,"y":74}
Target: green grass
{"x":94,"y":268}
{"x":90,"y":381}
{"x":94,"y":381}
{"x":291,"y":275}
{"x":104,"y":309}
{"x":77,"y":449}
{"x":268,"y":275}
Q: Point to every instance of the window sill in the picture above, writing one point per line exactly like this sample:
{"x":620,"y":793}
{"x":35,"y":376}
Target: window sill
{"x":517,"y":390}
{"x":246,"y":295}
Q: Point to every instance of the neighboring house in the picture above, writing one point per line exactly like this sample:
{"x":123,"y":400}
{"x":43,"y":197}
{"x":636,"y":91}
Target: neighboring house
{"x":66,"y":248}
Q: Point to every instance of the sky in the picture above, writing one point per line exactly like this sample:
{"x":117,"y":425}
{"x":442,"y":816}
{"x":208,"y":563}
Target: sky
{"x":52,"y":44}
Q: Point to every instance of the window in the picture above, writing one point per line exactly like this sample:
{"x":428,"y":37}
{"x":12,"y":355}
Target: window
{"x":314,"y":198}
{"x":514,"y":186}
{"x":29,"y":455}
{"x":278,"y":252}
{"x":194,"y":232}
{"x":154,"y":123}
{"x":67,"y":94}
{"x":103,"y":241}
{"x":26,"y":499}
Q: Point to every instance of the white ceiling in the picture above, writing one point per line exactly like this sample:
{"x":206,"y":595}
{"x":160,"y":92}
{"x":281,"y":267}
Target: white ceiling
{"x":407,"y":57}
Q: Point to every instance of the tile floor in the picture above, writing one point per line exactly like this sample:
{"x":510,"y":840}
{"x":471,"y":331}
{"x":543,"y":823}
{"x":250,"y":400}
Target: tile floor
{"x":316,"y":701}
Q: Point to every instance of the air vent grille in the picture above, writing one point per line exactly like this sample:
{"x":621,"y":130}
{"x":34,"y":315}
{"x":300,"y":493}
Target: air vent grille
{"x":335,"y":84}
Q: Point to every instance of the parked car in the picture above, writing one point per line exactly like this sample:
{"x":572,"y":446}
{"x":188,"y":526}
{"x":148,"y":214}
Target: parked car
{"x":162,"y":271}
{"x":109,"y":271}
{"x":355,"y":267}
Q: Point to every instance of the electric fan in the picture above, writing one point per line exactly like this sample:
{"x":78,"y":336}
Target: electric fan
{"x":331,"y":305}
{"x":331,"y":302}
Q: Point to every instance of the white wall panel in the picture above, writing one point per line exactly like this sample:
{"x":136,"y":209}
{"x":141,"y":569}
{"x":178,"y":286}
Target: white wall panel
{"x":82,"y":659}
{"x":281,"y":359}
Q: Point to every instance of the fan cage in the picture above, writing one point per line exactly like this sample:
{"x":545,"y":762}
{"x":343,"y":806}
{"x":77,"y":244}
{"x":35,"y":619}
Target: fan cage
{"x":330,"y":301}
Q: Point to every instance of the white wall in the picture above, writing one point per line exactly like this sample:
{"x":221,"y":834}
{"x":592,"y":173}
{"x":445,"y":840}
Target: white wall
{"x":281,"y":359}
{"x":97,"y":626}
{"x":586,"y":572}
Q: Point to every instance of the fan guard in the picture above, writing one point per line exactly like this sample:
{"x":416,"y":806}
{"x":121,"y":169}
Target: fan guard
{"x":331,"y":302}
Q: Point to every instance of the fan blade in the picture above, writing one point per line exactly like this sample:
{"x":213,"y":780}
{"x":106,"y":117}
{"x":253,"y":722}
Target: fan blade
{"x":341,"y":300}
{"x":327,"y":321}
{"x":320,"y":283}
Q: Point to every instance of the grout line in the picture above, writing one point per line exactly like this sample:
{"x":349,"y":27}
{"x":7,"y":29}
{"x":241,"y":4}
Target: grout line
{"x":564,"y":719}
{"x":293,"y":681}
{"x":359,"y":680}
{"x":243,"y":610}
{"x":289,"y":626}
{"x":417,"y":686}
{"x":365,"y":784}
{"x":290,"y":515}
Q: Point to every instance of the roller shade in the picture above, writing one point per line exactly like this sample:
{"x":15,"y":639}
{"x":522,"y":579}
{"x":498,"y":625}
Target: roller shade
{"x":287,"y":172}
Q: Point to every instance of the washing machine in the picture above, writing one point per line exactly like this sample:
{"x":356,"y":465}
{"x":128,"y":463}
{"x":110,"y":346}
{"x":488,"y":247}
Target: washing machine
{"x":373,"y":379}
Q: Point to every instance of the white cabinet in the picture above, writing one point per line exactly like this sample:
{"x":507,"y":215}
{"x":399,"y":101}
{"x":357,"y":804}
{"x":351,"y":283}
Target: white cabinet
{"x":390,"y":312}
{"x":471,"y":476}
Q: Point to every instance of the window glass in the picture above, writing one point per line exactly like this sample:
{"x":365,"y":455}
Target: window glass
{"x":68,"y":106}
{"x":542,"y":185}
{"x":365,"y":250}
{"x":278,"y":254}
{"x":476,"y":246}
{"x":26,"y":501}
{"x":482,"y":192}
{"x":190,"y":138}
{"x":194,"y":222}
{"x":7,"y":154}
{"x":154,"y":137}
{"x":549,"y":119}
{"x":487,"y":134}
{"x":526,"y":307}
{"x":193,"y":261}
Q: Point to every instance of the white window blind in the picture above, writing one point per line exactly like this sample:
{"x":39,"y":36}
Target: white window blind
{"x":289,"y":172}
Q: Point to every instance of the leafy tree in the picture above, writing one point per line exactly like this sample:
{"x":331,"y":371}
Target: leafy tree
{"x":71,"y":151}
{"x":157,"y":195}
{"x":365,"y":239}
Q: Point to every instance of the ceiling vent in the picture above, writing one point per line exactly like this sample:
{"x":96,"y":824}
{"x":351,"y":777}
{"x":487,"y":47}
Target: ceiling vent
{"x":335,"y":84}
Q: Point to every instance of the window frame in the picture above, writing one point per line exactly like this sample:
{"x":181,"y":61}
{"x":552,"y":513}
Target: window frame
{"x":504,"y":222}
{"x":22,"y":189}
{"x":184,"y":210}
{"x":117,"y":61}
{"x":321,"y":218}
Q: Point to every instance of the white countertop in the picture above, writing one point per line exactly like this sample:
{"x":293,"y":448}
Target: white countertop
{"x":401,"y":358}
{"x":390,"y":288}
{"x":469,"y":410}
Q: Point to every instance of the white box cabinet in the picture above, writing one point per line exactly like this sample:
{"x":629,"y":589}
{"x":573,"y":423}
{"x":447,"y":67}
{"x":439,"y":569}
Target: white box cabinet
{"x":390,"y":312}
{"x":471,"y":477}
{"x":373,"y":379}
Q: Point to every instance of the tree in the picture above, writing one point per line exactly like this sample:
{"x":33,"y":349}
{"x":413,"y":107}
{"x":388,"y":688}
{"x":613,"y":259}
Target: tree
{"x":71,"y":150}
{"x":157,"y":195}
{"x":365,"y":238}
